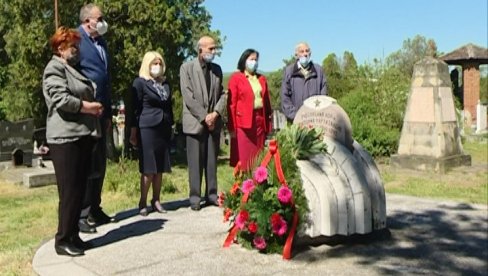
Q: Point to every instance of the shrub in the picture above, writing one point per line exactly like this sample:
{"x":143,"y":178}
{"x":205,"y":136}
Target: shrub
{"x":376,"y":109}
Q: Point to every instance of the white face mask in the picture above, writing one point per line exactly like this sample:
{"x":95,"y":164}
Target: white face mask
{"x":102,"y":27}
{"x":155,"y":70}
{"x":251,"y":65}
{"x":208,"y":57}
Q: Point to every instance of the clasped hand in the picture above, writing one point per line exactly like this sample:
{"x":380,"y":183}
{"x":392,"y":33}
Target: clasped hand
{"x":210,"y":120}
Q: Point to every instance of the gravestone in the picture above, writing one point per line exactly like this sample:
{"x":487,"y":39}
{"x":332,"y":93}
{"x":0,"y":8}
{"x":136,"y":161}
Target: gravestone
{"x":430,"y":138}
{"x":343,"y":187}
{"x":16,"y":141}
{"x":279,"y":120}
{"x":481,"y":112}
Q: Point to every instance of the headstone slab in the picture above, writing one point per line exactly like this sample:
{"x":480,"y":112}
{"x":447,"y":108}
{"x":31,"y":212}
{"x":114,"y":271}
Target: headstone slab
{"x":324,"y":112}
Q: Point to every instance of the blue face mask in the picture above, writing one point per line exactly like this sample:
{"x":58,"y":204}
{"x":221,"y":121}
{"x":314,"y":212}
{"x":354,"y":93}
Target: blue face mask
{"x":304,"y":61}
{"x":251,"y":65}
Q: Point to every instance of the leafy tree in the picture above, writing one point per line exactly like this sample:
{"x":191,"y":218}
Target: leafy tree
{"x":376,"y":108}
{"x":274,"y":83}
{"x":274,"y":86}
{"x":349,"y":72}
{"x":168,"y":26}
{"x":412,"y":51}
{"x":333,"y":73}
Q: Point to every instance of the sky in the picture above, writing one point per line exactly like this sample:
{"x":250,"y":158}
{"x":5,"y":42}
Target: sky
{"x":367,"y":28}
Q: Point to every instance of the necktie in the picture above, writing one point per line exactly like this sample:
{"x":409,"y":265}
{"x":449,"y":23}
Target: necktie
{"x":206,"y":72}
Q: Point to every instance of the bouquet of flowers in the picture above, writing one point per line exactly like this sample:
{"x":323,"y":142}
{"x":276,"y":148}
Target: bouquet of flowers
{"x":267,"y":205}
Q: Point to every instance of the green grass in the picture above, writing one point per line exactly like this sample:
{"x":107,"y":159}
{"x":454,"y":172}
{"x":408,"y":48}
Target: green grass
{"x":29,"y":216}
{"x":467,"y":184}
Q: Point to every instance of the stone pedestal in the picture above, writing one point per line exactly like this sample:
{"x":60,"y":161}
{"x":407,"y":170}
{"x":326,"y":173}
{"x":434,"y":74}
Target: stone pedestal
{"x":343,"y":187}
{"x":430,"y":138}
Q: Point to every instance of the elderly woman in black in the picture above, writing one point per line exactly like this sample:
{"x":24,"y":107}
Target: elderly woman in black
{"x":71,"y":130}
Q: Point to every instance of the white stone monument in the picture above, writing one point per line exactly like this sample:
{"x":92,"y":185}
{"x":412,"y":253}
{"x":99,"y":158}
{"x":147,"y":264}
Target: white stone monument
{"x":430,"y":138}
{"x":343,"y":187}
{"x":481,"y":112}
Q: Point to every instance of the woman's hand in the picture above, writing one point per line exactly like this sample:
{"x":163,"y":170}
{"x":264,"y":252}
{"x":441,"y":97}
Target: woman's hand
{"x":93,"y":108}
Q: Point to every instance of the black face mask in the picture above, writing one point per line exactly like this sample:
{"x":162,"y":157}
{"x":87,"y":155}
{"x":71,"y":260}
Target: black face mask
{"x":73,"y":59}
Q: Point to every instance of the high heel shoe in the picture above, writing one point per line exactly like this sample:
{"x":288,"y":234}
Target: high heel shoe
{"x":143,"y":210}
{"x":156,"y":206}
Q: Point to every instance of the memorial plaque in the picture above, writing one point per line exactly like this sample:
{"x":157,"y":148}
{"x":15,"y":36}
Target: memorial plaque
{"x":324,"y":112}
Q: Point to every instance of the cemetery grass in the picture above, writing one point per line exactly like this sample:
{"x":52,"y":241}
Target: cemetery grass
{"x":466,"y":184}
{"x":28,"y":217}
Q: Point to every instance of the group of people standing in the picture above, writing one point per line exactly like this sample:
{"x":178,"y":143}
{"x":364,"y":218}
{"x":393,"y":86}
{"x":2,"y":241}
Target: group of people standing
{"x":77,"y":92}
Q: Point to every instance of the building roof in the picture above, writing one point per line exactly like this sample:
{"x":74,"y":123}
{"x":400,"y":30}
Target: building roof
{"x":465,"y":54}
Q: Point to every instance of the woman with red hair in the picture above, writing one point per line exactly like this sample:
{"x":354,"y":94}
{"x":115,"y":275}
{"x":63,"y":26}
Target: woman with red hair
{"x":71,"y":131}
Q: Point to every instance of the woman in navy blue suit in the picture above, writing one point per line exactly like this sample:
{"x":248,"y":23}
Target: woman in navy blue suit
{"x":151,"y":132}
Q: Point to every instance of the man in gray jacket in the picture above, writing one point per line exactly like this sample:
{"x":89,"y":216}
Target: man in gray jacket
{"x":204,"y":102}
{"x":301,"y":80}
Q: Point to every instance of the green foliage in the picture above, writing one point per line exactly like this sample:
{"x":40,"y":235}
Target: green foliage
{"x":303,"y":141}
{"x":333,"y":73}
{"x":170,"y":27}
{"x":274,"y":86}
{"x":376,"y":109}
{"x":484,"y":84}
{"x":263,"y":203}
{"x":412,"y":51}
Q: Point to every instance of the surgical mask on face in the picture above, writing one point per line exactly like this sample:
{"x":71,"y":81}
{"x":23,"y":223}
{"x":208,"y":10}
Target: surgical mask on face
{"x":73,"y":59}
{"x":208,"y":57}
{"x":304,"y":61}
{"x":251,"y":65}
{"x":102,"y":27}
{"x":155,"y":70}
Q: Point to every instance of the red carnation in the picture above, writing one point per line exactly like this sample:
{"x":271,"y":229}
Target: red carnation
{"x":252,"y":227}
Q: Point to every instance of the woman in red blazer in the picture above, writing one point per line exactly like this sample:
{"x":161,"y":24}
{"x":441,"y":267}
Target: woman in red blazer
{"x":249,"y":110}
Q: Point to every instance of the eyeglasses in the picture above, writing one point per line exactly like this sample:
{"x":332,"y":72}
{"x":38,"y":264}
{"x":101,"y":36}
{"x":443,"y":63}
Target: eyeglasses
{"x":99,"y":19}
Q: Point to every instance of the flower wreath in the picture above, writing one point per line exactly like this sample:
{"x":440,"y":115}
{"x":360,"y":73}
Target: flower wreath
{"x":267,"y":207}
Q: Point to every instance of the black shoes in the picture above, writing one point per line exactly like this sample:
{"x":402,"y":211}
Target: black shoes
{"x":212,"y":203}
{"x":99,"y":217}
{"x":85,"y":227}
{"x":80,"y":243}
{"x":69,"y":249}
{"x":195,"y":207}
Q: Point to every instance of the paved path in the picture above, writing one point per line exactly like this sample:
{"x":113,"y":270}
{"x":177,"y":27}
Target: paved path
{"x":423,"y":237}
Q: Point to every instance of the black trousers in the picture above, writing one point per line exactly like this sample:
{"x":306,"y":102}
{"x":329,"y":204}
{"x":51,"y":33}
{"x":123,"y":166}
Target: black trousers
{"x":201,"y":152}
{"x":96,"y":174}
{"x":71,"y":163}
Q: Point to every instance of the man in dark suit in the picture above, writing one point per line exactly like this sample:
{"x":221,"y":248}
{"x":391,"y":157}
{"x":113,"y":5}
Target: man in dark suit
{"x":203,"y":103}
{"x":94,"y":65}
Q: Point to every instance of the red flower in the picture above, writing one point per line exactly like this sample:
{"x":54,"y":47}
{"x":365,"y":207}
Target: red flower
{"x":237,"y":169}
{"x":241,"y":219}
{"x":227,"y":214}
{"x":235,"y":188}
{"x":284,"y":194}
{"x":259,"y":243}
{"x":275,"y":218}
{"x":278,"y":224}
{"x":261,"y":174}
{"x":248,"y":186}
{"x":252,"y":227}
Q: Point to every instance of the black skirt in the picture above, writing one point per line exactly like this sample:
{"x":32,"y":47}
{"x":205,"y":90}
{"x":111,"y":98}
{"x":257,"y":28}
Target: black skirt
{"x":154,"y":149}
